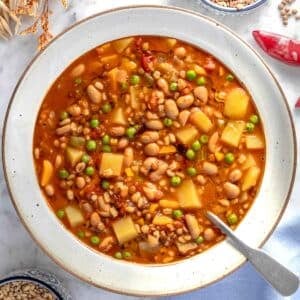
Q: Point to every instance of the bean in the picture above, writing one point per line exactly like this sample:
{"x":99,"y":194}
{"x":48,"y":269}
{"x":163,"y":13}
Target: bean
{"x":163,"y":85}
{"x":149,"y":137}
{"x":209,"y":234}
{"x":193,"y":225}
{"x":78,"y":70}
{"x":185,"y":101}
{"x":70,"y":195}
{"x":37,"y":153}
{"x":232,"y":191}
{"x":58,"y":161}
{"x":95,"y":219}
{"x":209,"y":168}
{"x":74,"y":110}
{"x":117,"y":131}
{"x":123,"y":142}
{"x":99,"y":85}
{"x":80,"y":182}
{"x":106,"y":243}
{"x":183,"y":117}
{"x":180,"y":52}
{"x":201,"y":93}
{"x":63,"y":130}
{"x":128,"y":157}
{"x":235,"y":175}
{"x":171,"y":109}
{"x":154,"y":124}
{"x":87,"y":208}
{"x":213,"y":142}
{"x":201,"y":179}
{"x":94,"y":94}
{"x":151,"y":149}
{"x":182,"y":83}
{"x":49,"y":190}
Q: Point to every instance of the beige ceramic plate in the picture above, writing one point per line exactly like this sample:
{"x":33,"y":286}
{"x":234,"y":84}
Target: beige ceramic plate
{"x":99,"y":269}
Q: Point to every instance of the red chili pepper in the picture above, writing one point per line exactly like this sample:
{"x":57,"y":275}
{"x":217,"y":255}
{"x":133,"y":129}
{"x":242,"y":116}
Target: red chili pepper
{"x":278,"y":46}
{"x":297,"y":105}
{"x":146,"y":61}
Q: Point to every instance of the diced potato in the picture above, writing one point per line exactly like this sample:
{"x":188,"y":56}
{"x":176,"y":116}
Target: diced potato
{"x":249,"y":162}
{"x":232,"y":133}
{"x":153,"y":207}
{"x":111,"y":164}
{"x":171,"y":43}
{"x":187,"y":195}
{"x":112,"y":75}
{"x":111,"y":60}
{"x":166,"y":203}
{"x":73,"y":155}
{"x":255,"y":142}
{"x":129,"y":172}
{"x":124,"y":230}
{"x":219,"y":156}
{"x":162,"y":220}
{"x":200,"y":70}
{"x":74,"y":216}
{"x":186,"y":135}
{"x":201,"y":121}
{"x":47,"y":172}
{"x":250,"y":178}
{"x":134,"y":100}
{"x":118,"y":117}
{"x":166,"y":68}
{"x":121,"y":45}
{"x":236,"y":103}
{"x":128,"y":65}
{"x":169,"y":149}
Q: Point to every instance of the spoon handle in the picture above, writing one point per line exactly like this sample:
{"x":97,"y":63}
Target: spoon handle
{"x":282,"y":279}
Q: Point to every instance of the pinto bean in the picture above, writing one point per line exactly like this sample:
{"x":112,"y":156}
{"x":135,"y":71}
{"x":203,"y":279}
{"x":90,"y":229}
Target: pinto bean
{"x":163,"y":85}
{"x":183,"y":117}
{"x":151,"y":149}
{"x":209,"y":168}
{"x":193,"y":225}
{"x":117,"y":131}
{"x":70,"y":195}
{"x":182,"y":84}
{"x":58,"y":161}
{"x":95,"y":219}
{"x":74,"y":110}
{"x":209,"y":234}
{"x":123,"y":142}
{"x":232,"y":191}
{"x":171,"y":109}
{"x":49,"y":190}
{"x":185,"y":101}
{"x":201,"y":93}
{"x":63,"y":130}
{"x":213,"y":143}
{"x":128,"y":157}
{"x":87,"y":208}
{"x":235,"y":175}
{"x":78,"y":70}
{"x":80,"y":182}
{"x":154,"y":124}
{"x":106,"y":243}
{"x":149,"y":137}
{"x":94,"y":94}
{"x":180,"y":52}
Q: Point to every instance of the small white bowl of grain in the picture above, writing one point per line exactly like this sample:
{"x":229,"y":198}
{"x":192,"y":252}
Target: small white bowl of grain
{"x":233,"y":6}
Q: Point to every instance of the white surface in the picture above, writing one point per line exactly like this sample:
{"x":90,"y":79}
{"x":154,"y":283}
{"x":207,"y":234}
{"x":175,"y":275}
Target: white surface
{"x":17,"y":249}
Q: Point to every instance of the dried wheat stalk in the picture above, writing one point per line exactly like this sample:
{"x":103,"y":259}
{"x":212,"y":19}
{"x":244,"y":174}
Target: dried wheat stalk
{"x":13,"y":12}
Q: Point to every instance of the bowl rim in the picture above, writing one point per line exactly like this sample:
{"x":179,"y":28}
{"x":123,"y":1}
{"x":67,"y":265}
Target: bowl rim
{"x":166,"y":7}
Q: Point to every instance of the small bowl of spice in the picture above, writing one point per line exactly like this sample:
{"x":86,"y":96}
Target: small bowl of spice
{"x":32,"y":284}
{"x":233,"y":6}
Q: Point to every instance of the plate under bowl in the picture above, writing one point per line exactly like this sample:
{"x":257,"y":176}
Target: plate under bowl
{"x":99,"y":269}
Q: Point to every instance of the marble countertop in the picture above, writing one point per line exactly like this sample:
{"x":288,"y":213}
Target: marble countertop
{"x":17,"y":249}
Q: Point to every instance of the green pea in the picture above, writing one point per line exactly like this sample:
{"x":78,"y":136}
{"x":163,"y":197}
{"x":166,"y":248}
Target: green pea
{"x":254,"y":119}
{"x":124,"y":86}
{"x":177,"y":213}
{"x":203,"y":139}
{"x":85,"y":158}
{"x":130,"y":132}
{"x":77,"y":80}
{"x":199,"y":239}
{"x":229,"y":77}
{"x":191,"y":171}
{"x":191,"y":75}
{"x":175,"y":180}
{"x":94,"y":123}
{"x":168,"y":122}
{"x":60,"y":213}
{"x":105,"y":184}
{"x":95,"y":240}
{"x":196,"y":146}
{"x":201,"y":81}
{"x":63,"y":174}
{"x":64,"y":115}
{"x":190,"y":154}
{"x":81,"y":234}
{"x":106,"y":139}
{"x":106,"y":148}
{"x":232,"y":219}
{"x":173,"y":87}
{"x":90,"y":171}
{"x":126,"y":255}
{"x":250,"y":127}
{"x":91,"y":145}
{"x":106,"y":108}
{"x":118,"y":255}
{"x":135,"y":79}
{"x":229,"y":158}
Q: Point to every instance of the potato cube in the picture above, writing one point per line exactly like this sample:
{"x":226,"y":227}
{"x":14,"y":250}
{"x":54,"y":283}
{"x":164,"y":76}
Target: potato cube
{"x":236,"y":103}
{"x":74,"y":216}
{"x":47,"y":172}
{"x":232,"y":133}
{"x":124,"y":230}
{"x":255,"y":142}
{"x":187,"y":195}
{"x":111,"y":60}
{"x":112,"y":75}
{"x":165,"y":150}
{"x":73,"y":155}
{"x":166,"y":203}
{"x":187,"y":135}
{"x":118,"y":117}
{"x":250,"y":178}
{"x":162,"y":220}
{"x":249,"y":162}
{"x":134,"y":99}
{"x":121,"y":45}
{"x":111,"y":164}
{"x":201,"y":121}
{"x":171,"y":42}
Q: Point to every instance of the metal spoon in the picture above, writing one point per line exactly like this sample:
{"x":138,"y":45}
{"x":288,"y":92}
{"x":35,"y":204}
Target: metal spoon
{"x":278,"y":276}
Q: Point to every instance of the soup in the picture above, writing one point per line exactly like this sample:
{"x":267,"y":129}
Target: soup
{"x":138,"y":138}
